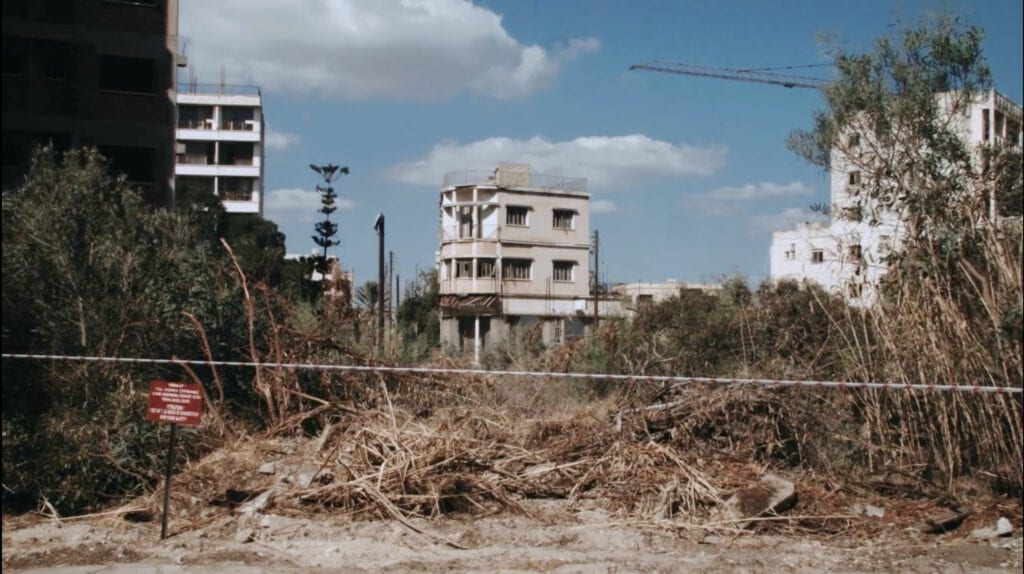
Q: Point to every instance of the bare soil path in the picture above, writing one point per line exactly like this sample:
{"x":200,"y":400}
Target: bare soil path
{"x":554,"y":540}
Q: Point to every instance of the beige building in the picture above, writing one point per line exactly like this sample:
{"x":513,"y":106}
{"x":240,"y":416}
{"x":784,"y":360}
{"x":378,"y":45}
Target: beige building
{"x":636,"y":294}
{"x":515,"y":254}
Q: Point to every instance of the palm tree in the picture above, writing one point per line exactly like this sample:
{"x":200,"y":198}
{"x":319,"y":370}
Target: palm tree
{"x":366,"y":296}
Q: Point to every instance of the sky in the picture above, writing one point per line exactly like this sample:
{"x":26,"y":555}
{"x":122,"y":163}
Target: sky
{"x":689,"y":176}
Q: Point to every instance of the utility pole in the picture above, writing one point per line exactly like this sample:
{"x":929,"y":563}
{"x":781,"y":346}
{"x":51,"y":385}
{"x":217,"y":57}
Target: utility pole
{"x":597,"y":277}
{"x":391,"y":294}
{"x":379,"y":226}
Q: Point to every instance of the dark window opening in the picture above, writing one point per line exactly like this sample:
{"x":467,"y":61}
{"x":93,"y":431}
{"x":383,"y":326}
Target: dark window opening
{"x":195,"y":117}
{"x":235,"y":153}
{"x":55,"y":58}
{"x":15,"y":54}
{"x":463,"y":268}
{"x":236,"y":188}
{"x":562,"y":218}
{"x":136,"y":163}
{"x":239,"y":119}
{"x":517,"y":269}
{"x":123,"y":74}
{"x":516,"y":216}
{"x":817,"y":256}
{"x":563,"y":271}
{"x":485,"y":268}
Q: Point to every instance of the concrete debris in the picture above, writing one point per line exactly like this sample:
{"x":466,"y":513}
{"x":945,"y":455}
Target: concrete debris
{"x":259,"y":503}
{"x":267,"y":468}
{"x":244,"y":535}
{"x":771,"y":494}
{"x":1003,"y":526}
{"x":874,"y":511}
{"x":305,"y":477}
{"x":944,"y":521}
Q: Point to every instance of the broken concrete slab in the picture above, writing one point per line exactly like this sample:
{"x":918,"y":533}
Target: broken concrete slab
{"x":259,"y":503}
{"x":770,"y":494}
{"x":267,"y":468}
{"x":244,"y":535}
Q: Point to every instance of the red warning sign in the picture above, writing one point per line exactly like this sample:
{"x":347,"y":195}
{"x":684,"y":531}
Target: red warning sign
{"x":180,"y":403}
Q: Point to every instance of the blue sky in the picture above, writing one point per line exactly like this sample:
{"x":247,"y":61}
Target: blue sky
{"x":688,"y":175}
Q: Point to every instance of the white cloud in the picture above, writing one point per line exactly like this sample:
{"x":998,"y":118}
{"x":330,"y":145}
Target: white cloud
{"x":604,"y":206}
{"x":782,"y":220}
{"x":608,"y":162}
{"x":403,"y":49}
{"x":301,"y":204}
{"x":278,"y":140}
{"x":763,"y":190}
{"x":725,"y":200}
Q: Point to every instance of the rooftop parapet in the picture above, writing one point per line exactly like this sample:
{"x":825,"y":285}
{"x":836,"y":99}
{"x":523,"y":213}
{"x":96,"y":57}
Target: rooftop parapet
{"x":515,"y":178}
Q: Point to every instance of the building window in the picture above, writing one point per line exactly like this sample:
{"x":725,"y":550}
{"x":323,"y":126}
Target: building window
{"x":195,"y":117}
{"x":791,"y":252}
{"x":562,"y":218}
{"x":853,"y":178}
{"x":136,"y":163}
{"x":517,"y":216}
{"x":855,"y":252}
{"x":236,"y":153}
{"x":237,"y":188}
{"x":854,"y":141}
{"x":122,"y":74}
{"x":55,"y":56}
{"x":485,"y":268}
{"x":817,"y":256}
{"x":643,"y":300}
{"x":984,"y":125}
{"x":236,"y":118}
{"x":463,"y":268}
{"x":563,"y":271}
{"x":517,"y":269}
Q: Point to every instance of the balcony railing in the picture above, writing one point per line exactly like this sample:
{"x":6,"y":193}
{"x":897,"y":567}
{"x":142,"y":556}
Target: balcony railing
{"x":238,"y":125}
{"x":236,"y":195}
{"x":194,"y":159}
{"x":223,"y":89}
{"x":204,"y":124}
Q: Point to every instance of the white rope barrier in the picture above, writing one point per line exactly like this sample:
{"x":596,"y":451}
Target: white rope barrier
{"x":680,"y":380}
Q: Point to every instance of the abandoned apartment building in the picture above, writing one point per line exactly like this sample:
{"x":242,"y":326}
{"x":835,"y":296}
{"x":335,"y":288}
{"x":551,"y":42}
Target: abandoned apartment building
{"x":848,"y":256}
{"x":220,"y":144}
{"x":515,"y":255}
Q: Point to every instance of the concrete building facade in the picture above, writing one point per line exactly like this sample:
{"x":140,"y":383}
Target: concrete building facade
{"x":92,"y":72}
{"x":847,"y":256}
{"x":634,"y":295}
{"x":220,"y":145}
{"x":515,"y":253}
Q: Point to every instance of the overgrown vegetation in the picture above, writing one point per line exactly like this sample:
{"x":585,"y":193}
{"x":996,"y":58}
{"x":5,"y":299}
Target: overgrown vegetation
{"x":89,"y":270}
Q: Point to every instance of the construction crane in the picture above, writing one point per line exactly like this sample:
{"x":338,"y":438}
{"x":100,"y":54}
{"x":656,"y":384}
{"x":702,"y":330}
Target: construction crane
{"x":761,"y":76}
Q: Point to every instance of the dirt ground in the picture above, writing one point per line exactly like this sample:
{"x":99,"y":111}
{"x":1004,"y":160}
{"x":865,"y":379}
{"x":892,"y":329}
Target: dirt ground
{"x":554,"y":539}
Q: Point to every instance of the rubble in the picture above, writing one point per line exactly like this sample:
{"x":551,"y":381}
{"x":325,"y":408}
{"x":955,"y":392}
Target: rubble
{"x":770,"y":494}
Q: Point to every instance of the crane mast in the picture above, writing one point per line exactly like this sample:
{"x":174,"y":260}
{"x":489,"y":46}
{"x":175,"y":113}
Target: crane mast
{"x":760,"y":77}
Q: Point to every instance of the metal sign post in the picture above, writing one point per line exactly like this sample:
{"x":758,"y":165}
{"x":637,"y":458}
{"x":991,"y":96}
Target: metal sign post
{"x":173,"y":403}
{"x":167,"y":480}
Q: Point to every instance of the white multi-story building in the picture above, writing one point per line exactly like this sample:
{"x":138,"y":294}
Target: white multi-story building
{"x":848,"y":255}
{"x":515,"y":252}
{"x":220,"y":145}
